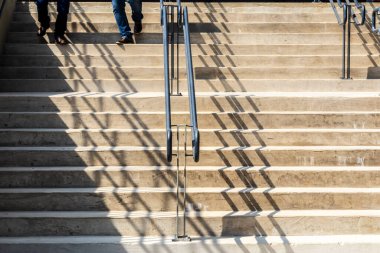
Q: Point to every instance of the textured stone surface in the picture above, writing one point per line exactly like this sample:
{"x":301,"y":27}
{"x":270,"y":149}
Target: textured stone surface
{"x":289,"y":152}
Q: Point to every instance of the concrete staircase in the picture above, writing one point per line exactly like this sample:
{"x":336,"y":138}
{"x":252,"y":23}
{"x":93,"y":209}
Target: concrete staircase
{"x":290,"y":154}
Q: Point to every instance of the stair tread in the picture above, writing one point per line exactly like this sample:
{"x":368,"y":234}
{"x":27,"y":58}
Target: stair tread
{"x":202,"y":190}
{"x":199,"y":94}
{"x":204,"y":148}
{"x":205,"y":214}
{"x":85,"y":112}
{"x":194,"y":168}
{"x":210,"y":130}
{"x":207,"y":242}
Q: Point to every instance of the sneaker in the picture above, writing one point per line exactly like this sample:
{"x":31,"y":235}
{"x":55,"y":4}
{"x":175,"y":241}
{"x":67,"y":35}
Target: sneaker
{"x":42,"y":31}
{"x":125,"y":40}
{"x":60,"y":39}
{"x":138,"y":27}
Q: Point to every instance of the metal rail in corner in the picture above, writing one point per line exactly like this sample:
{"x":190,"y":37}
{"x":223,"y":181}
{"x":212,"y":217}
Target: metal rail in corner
{"x":348,"y":18}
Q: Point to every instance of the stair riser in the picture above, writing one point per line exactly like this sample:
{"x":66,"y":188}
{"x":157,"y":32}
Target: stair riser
{"x":193,"y":8}
{"x":109,"y":26}
{"x":215,"y":138}
{"x":180,"y":104}
{"x":218,"y":226}
{"x":221,"y":157}
{"x":226,"y":85}
{"x":205,"y":201}
{"x":198,"y":61}
{"x":193,"y":17}
{"x":205,"y":121}
{"x":199,"y":178}
{"x":203,"y":38}
{"x":213,"y":49}
{"x":213,"y":245}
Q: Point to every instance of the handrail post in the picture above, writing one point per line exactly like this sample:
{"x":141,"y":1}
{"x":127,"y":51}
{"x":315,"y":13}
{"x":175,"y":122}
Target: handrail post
{"x":344,"y":44}
{"x":349,"y":10}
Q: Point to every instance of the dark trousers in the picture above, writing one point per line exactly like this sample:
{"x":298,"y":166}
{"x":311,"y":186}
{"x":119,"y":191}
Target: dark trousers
{"x":61,"y":22}
{"x":121,"y":17}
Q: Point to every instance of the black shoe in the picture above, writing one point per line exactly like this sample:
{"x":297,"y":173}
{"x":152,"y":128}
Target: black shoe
{"x":138,"y":27}
{"x":42,"y":31}
{"x":125,"y":40}
{"x":60,"y":39}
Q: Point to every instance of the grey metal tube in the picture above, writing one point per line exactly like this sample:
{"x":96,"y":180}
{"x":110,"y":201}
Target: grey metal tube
{"x":169,"y":134}
{"x":191,"y":89}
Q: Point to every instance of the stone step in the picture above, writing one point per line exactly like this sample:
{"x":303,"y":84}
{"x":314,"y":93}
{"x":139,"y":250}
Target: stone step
{"x":214,"y":85}
{"x":265,"y":223}
{"x":368,"y":50}
{"x":151,"y":17}
{"x":109,"y":26}
{"x":271,"y":61}
{"x":322,"y":39}
{"x":352,"y":243}
{"x":206,"y":120}
{"x":233,"y":7}
{"x":210,"y":156}
{"x":210,"y":137}
{"x":206,"y":102}
{"x":164,"y":176}
{"x":199,"y":199}
{"x":303,"y":72}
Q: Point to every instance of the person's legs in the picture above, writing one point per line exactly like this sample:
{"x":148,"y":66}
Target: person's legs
{"x":136,"y":6}
{"x":121,"y":18}
{"x":43,"y":16}
{"x":61,"y":22}
{"x":137,"y":16}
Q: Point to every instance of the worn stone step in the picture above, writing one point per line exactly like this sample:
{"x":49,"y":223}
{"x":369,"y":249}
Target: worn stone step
{"x":200,"y":176}
{"x":84,"y":72}
{"x":368,"y":50}
{"x":233,"y":7}
{"x":322,"y":39}
{"x":198,"y":61}
{"x":210,"y":137}
{"x":214,"y":85}
{"x":303,"y":72}
{"x":264,"y":223}
{"x":193,"y":17}
{"x":200,"y":199}
{"x":210,"y":156}
{"x":109,"y":26}
{"x":251,"y":244}
{"x":206,"y":120}
{"x":206,"y":102}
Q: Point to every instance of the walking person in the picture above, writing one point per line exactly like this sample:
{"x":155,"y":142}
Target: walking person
{"x":122,"y":20}
{"x":61,"y":22}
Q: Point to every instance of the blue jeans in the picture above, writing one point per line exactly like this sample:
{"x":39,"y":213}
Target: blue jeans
{"x":121,"y":17}
{"x":61,"y":22}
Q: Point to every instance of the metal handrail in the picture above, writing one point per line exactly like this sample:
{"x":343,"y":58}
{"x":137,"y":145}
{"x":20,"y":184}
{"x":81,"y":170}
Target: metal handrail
{"x":191,"y":89}
{"x":349,"y":14}
{"x":343,"y":22}
{"x":341,"y":5}
{"x":169,"y":74}
{"x":375,"y":12}
{"x":362,"y":9}
{"x":169,"y":59}
{"x":169,"y":133}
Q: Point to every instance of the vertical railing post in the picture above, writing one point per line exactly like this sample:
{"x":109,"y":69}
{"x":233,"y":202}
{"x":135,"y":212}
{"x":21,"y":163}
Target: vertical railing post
{"x":344,"y":45}
{"x":349,"y":10}
{"x":172,"y":38}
